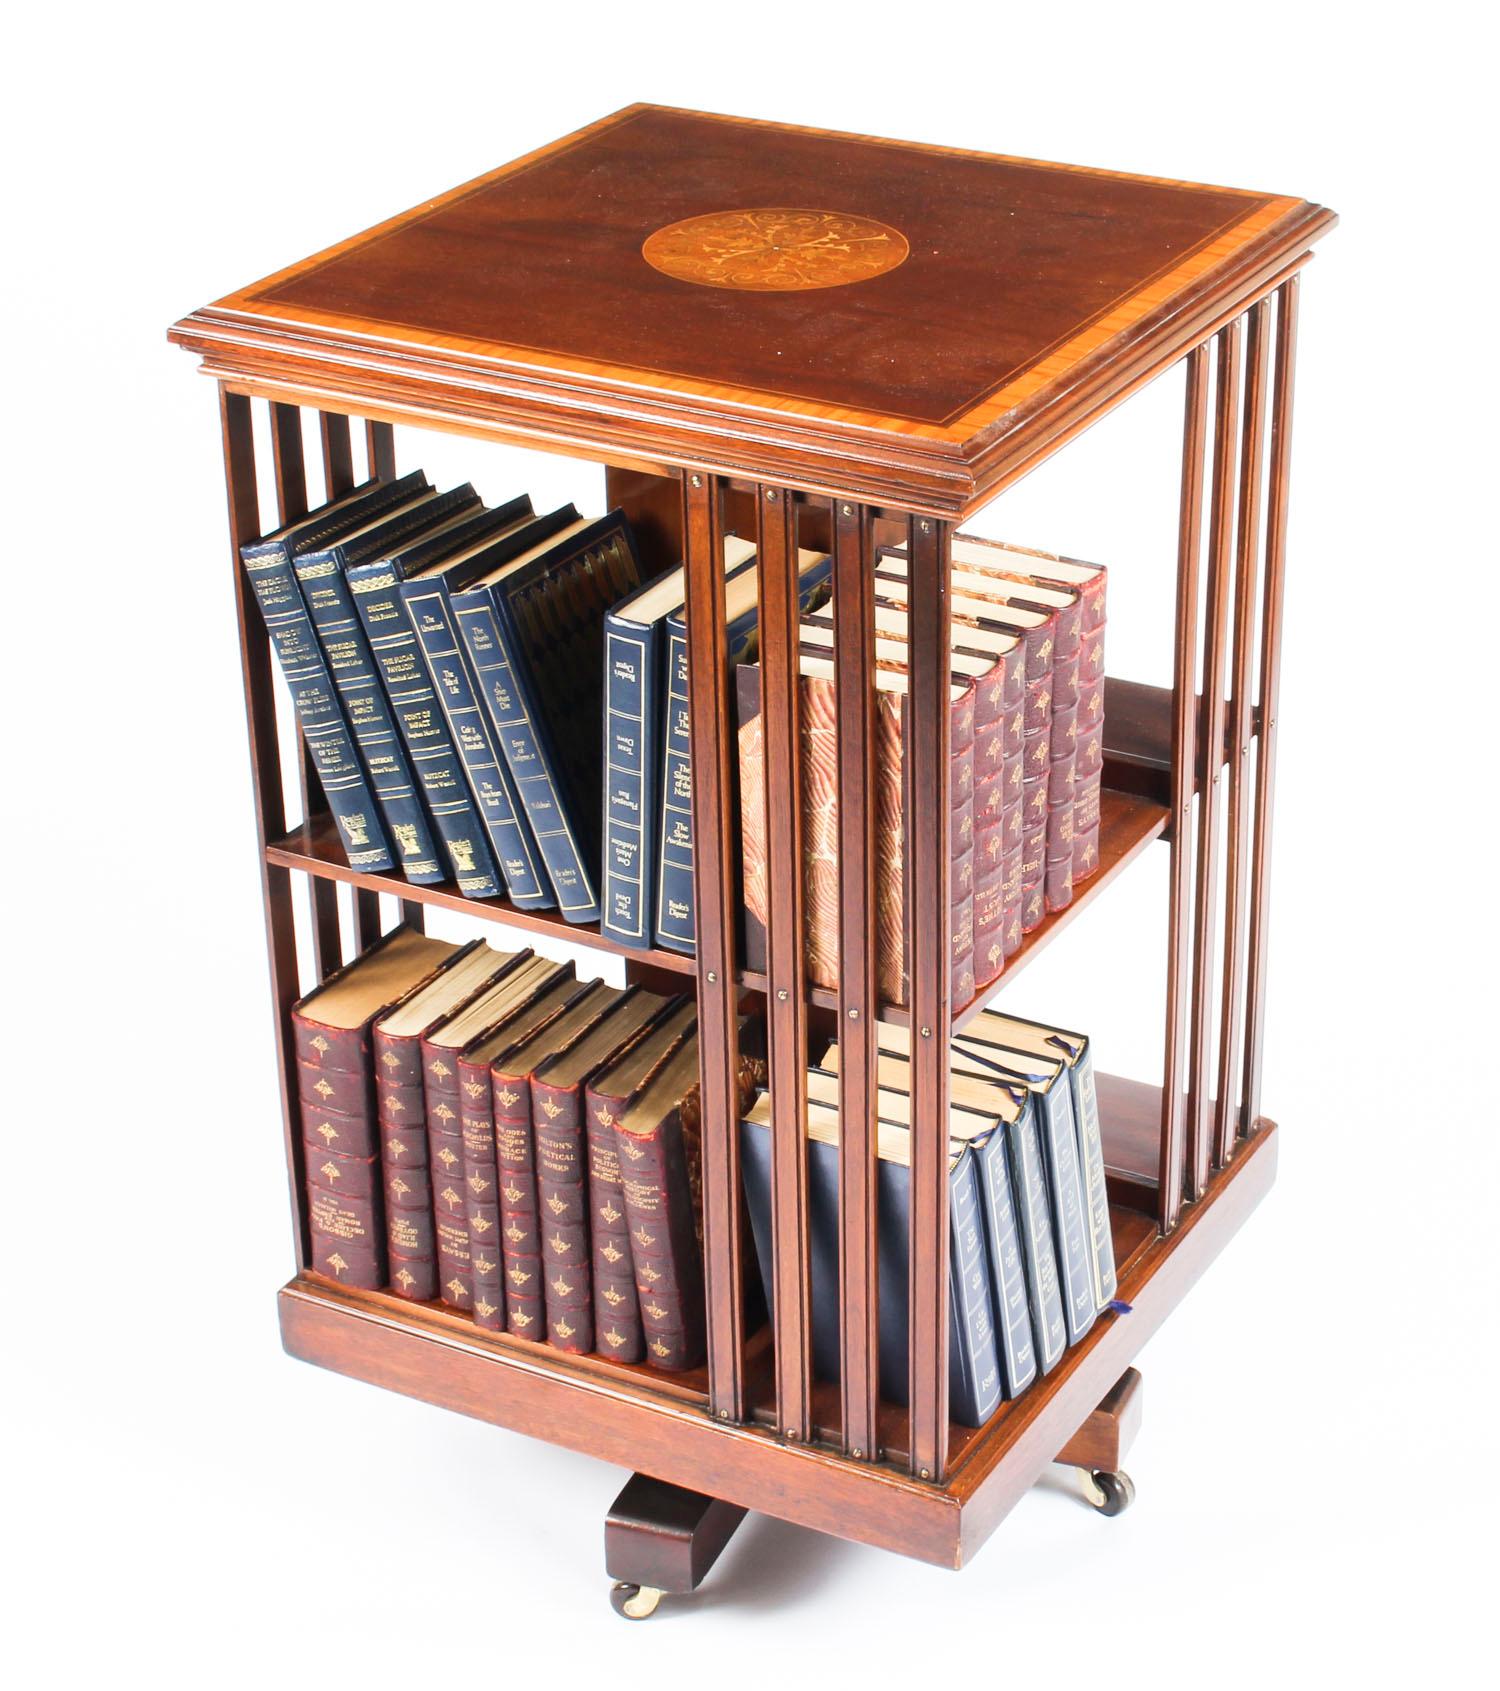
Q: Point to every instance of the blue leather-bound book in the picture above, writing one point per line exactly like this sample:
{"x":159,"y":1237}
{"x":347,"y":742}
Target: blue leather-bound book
{"x":974,"y":1380}
{"x":675,"y":917}
{"x":427,"y":598}
{"x":346,"y":649}
{"x":533,"y":628}
{"x":269,"y":567}
{"x":376,"y":590}
{"x":1072,"y":1049}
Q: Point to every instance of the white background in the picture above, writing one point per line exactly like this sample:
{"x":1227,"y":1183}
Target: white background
{"x":1315,"y":1474}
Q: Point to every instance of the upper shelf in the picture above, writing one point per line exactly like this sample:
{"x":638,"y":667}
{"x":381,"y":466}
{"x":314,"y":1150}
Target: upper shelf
{"x":909,"y":324}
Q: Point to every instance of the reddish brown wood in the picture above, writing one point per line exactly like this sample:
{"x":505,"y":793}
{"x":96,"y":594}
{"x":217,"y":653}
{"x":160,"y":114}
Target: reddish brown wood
{"x":856,"y":1003}
{"x":715,"y":899}
{"x":338,"y":454}
{"x":665,"y":1536}
{"x":929,"y":971}
{"x":786,"y":992}
{"x":1270,"y":689}
{"x":265,"y":769}
{"x":1228,"y":1120}
{"x":1102,"y":1441}
{"x":1209,"y":757}
{"x":380,"y":450}
{"x":1189,"y":534}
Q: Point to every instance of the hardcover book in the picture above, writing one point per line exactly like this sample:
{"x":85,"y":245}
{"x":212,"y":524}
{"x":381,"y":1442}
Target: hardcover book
{"x":560,"y":1138}
{"x":675,"y":921}
{"x":534,"y":627}
{"x":331,"y":1032}
{"x":346,"y":649}
{"x":635,"y":641}
{"x":376,"y":591}
{"x":617,"y":1309}
{"x":330,"y":744}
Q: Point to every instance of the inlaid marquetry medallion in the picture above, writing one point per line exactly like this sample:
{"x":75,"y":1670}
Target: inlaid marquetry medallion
{"x":775,"y":249}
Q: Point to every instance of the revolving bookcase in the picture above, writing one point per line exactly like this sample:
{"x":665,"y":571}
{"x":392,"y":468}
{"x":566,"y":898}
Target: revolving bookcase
{"x":831,"y":341}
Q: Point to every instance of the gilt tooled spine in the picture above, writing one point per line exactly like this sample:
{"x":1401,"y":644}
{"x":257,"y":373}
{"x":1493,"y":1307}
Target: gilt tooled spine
{"x":482,"y":1193}
{"x":341,"y":1153}
{"x":520,"y":1232}
{"x":449,"y":1197}
{"x":562,"y":1194}
{"x":617,"y":1308}
{"x":663,"y":1243}
{"x":401,"y":1112}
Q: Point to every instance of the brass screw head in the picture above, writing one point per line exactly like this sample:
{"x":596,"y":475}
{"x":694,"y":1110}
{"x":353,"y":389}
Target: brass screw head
{"x":854,"y":1015}
{"x":848,"y":510}
{"x":697,"y":481}
{"x":926,"y":1473}
{"x":857,"y":1453}
{"x":926,"y":1032}
{"x":782,"y":994}
{"x":712,"y":977}
{"x":926,"y":528}
{"x":771,"y":495}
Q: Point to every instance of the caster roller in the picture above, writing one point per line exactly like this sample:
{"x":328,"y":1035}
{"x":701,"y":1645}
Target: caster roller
{"x":634,"y":1602}
{"x":1110,"y":1494}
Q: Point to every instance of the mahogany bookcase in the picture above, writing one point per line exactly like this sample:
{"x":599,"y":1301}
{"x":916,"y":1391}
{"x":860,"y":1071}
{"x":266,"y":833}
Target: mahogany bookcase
{"x":836,"y":341}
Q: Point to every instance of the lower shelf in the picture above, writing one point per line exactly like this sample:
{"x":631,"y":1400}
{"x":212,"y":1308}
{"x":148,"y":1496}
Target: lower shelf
{"x":657,"y":1424}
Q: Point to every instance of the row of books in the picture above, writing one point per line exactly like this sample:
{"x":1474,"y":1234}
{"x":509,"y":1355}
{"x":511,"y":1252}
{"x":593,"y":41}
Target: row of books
{"x":1031,"y":1254}
{"x":497,"y":698}
{"x":482,"y":1129}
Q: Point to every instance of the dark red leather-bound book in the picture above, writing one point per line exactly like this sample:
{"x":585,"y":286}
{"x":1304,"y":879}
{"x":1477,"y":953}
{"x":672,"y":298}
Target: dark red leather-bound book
{"x":559,"y":1138}
{"x":540,"y":983}
{"x":521,"y":1231}
{"x":440,"y":1047}
{"x":401,"y":1113}
{"x":331,"y":1030}
{"x":617,"y":1311}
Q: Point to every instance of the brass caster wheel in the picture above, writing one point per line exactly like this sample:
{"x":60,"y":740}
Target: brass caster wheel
{"x":635,"y":1602}
{"x":1110,"y":1494}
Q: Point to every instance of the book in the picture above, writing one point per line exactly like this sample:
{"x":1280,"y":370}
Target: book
{"x":533,"y":627}
{"x":401,"y":1113}
{"x":268,"y":565}
{"x":617,"y":1308}
{"x":675,"y":919}
{"x":820,"y":827}
{"x":428,"y":601}
{"x":558,"y":1022}
{"x":560,"y":1136}
{"x":346,"y":650}
{"x":635,"y":642}
{"x":974,"y":1379}
{"x":457,"y":1223}
{"x":331,"y":1035}
{"x":1014,"y":1033}
{"x":376,"y":590}
{"x":1004,"y":1103}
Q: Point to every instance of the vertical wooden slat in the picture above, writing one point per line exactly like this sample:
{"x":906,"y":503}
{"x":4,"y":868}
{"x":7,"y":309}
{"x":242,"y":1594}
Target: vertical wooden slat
{"x":338,"y":454}
{"x":380,"y":449}
{"x":714,"y":898}
{"x":1237,"y":818}
{"x":1270,"y":688}
{"x":929,"y":969}
{"x":786,"y":1006}
{"x":854,"y":660}
{"x":1210,"y":758}
{"x":291,"y":503}
{"x":265,"y":768}
{"x":1184,"y":715}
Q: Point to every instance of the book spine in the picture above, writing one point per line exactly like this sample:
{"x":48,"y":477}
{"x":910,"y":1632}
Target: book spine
{"x":1096,"y":1190}
{"x":663,"y":1243}
{"x":617,"y":1305}
{"x":961,"y":849}
{"x":315,"y":702}
{"x":562,"y":1204}
{"x":330,"y":606}
{"x":401,"y":1107}
{"x":449,"y":1198}
{"x":1029,"y":1183}
{"x":631,"y":769}
{"x":520,"y":1225}
{"x":521,"y":734}
{"x":1088,"y":776}
{"x":489,"y":778}
{"x":424,"y":728}
{"x":1007,"y":1272}
{"x":1062,"y":745}
{"x":675,"y":929}
{"x":1069,"y":1217}
{"x":342,"y":1154}
{"x":482,"y":1194}
{"x":975,"y":1388}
